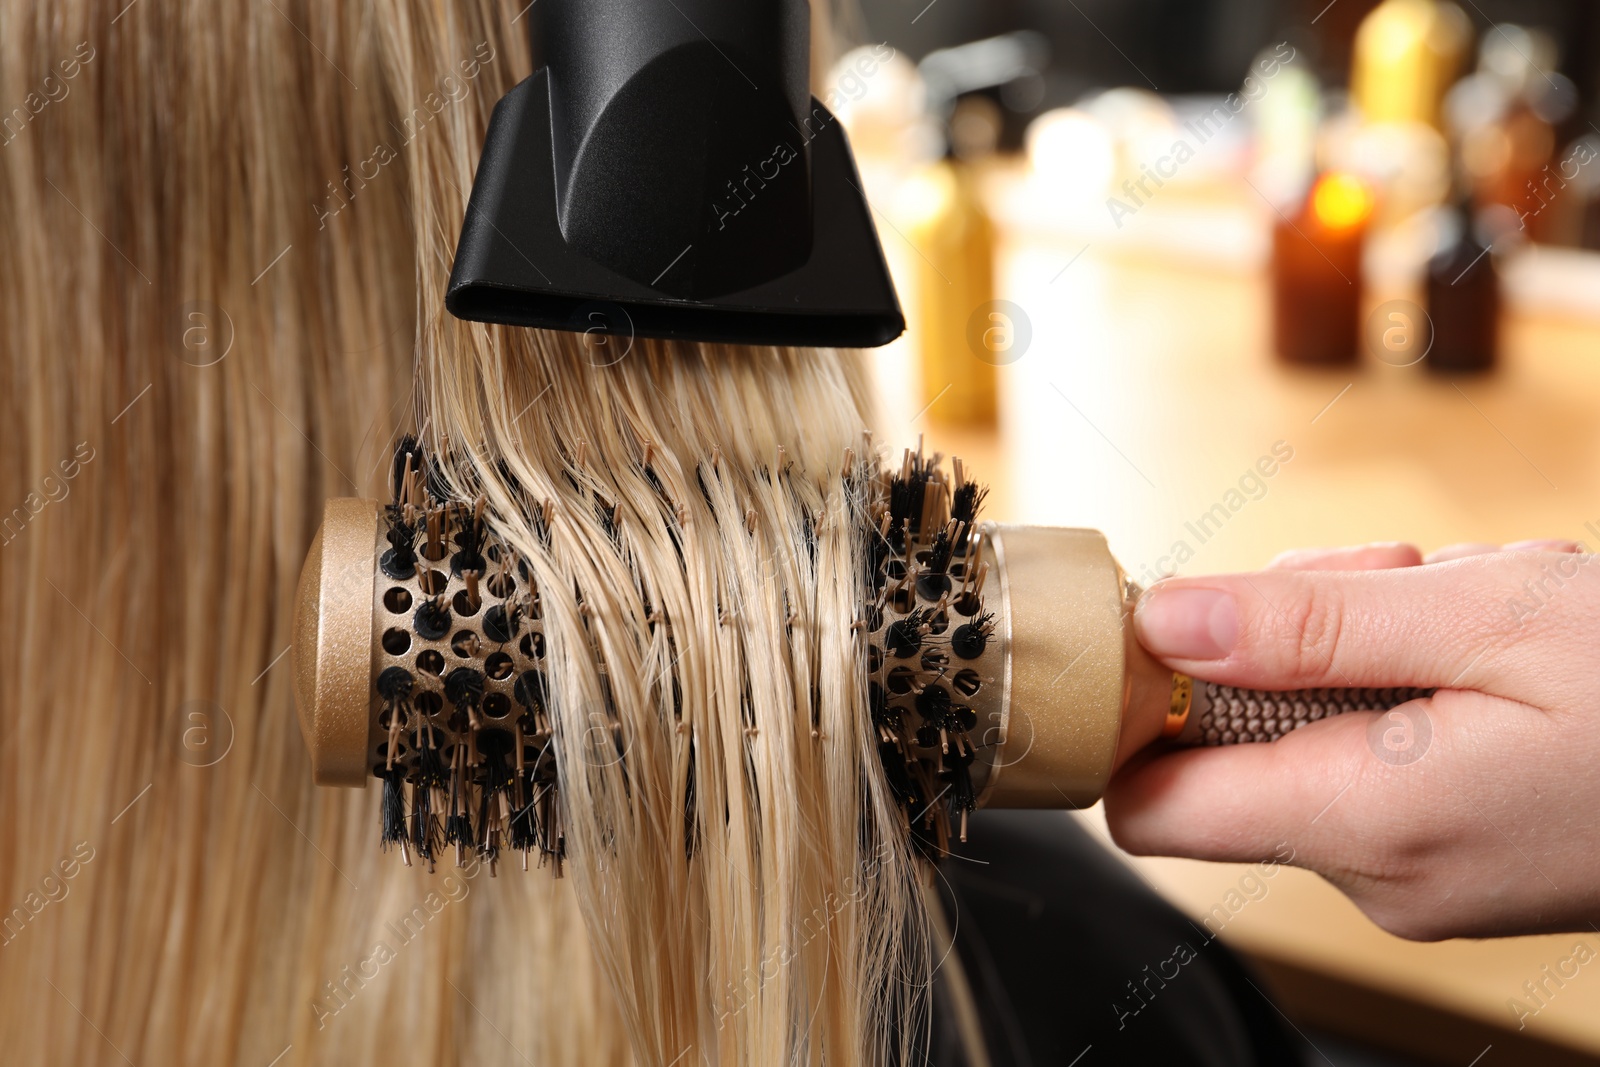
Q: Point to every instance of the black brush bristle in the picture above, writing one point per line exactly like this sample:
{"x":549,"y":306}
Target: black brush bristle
{"x":971,"y":638}
{"x":463,"y":687}
{"x":524,"y":825}
{"x":431,"y":621}
{"x":406,"y":449}
{"x":904,"y":636}
{"x":965,"y":504}
{"x":957,"y":775}
{"x":495,"y":746}
{"x":457,"y":824}
{"x":937,"y":711}
{"x":530,"y":689}
{"x":500,"y":625}
{"x":458,"y":830}
{"x":898,"y":773}
{"x":905,"y":499}
{"x":400,"y":558}
{"x":423,"y":830}
{"x":884,"y":714}
{"x":469,"y":539}
{"x":430,"y":766}
{"x":939,"y":553}
{"x":395,"y":683}
{"x":488,"y":842}
{"x":394,"y":807}
{"x":691,"y":828}
{"x":655,"y":482}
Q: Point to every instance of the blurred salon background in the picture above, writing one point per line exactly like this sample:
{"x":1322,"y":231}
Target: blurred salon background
{"x":1151,"y":250}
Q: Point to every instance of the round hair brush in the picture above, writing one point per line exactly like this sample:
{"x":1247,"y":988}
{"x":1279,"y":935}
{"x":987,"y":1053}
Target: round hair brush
{"x":999,"y":663}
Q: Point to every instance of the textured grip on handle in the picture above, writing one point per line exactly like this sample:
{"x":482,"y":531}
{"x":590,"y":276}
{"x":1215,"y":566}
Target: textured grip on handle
{"x":1224,"y":715}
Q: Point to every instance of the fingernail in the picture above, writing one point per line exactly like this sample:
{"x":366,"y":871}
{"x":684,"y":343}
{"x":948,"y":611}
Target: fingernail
{"x":1187,"y":622}
{"x":1544,"y":544}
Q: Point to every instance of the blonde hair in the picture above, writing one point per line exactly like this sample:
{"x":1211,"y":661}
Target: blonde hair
{"x":231,"y":228}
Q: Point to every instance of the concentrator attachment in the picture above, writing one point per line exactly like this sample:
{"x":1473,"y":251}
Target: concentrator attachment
{"x":666,"y":173}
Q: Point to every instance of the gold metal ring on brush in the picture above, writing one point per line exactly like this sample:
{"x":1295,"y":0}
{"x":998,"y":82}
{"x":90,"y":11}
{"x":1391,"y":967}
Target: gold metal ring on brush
{"x":1178,"y":709}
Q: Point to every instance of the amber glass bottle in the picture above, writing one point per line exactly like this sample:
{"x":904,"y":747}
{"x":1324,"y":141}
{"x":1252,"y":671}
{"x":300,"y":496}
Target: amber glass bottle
{"x":1316,"y":273}
{"x":1463,"y":292}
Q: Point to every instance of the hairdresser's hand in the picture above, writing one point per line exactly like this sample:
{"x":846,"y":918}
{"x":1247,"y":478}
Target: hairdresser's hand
{"x":1474,"y":812}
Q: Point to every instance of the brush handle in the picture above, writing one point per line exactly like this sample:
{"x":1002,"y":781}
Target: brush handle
{"x":1225,"y":715}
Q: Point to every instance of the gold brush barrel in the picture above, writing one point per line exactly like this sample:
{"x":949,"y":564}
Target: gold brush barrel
{"x":1073,"y":669}
{"x":333,"y":642}
{"x":1082,"y":695}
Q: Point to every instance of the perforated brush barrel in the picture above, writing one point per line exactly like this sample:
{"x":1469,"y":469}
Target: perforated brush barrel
{"x":1023,"y":643}
{"x":475,"y":637}
{"x":427,"y":676}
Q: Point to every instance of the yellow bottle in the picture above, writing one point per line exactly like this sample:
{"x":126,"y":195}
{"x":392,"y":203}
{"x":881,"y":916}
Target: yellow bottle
{"x":1407,"y":55}
{"x":954,"y":280}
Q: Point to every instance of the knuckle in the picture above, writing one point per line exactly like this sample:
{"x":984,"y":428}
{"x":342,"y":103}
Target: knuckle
{"x":1316,"y":625}
{"x":1391,"y":873}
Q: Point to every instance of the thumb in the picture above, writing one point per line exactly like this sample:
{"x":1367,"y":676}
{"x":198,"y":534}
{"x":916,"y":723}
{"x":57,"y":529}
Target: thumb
{"x":1290,"y":629}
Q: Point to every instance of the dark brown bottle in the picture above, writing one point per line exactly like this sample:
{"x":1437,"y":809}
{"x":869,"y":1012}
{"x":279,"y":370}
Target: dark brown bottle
{"x":1463,"y":299}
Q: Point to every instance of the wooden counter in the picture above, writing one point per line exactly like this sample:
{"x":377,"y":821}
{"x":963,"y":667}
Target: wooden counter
{"x":1148,"y":391}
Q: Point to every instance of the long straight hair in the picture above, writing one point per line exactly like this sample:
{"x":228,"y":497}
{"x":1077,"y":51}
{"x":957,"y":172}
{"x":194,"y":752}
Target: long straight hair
{"x":230,"y":228}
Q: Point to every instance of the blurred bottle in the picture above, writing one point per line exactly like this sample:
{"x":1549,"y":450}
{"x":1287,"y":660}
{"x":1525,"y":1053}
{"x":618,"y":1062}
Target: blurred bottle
{"x":878,"y":95}
{"x":1072,"y":157}
{"x":1463,"y":294}
{"x":1406,"y":164}
{"x":1316,"y":273}
{"x":1504,"y":117}
{"x":1583,"y":158}
{"x":1519,"y":175}
{"x":1287,"y":119}
{"x":1407,"y":54}
{"x":951,"y":228}
{"x":1563,"y":206}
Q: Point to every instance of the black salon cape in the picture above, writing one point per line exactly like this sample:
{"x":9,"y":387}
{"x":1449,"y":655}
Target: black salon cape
{"x":1050,"y":929}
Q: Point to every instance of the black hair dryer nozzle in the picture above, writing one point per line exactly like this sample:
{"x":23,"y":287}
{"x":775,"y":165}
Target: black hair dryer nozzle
{"x":666,"y":172}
